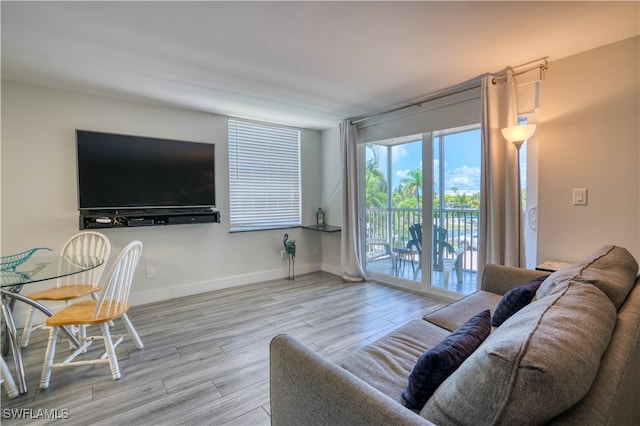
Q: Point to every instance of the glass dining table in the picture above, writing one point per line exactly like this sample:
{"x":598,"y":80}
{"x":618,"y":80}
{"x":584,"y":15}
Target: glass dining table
{"x":34,"y":269}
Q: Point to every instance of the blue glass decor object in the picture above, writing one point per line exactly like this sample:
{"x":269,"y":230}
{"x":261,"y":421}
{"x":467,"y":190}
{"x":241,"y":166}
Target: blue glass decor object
{"x":12,"y":261}
{"x":290,"y":248}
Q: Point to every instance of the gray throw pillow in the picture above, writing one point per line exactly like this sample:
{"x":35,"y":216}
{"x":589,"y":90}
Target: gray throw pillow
{"x":533,"y":367}
{"x":610,"y":268}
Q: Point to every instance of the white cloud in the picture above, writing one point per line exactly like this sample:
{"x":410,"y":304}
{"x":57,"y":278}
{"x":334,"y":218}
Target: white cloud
{"x":464,"y":178}
{"x":402,"y":173}
{"x":398,"y":152}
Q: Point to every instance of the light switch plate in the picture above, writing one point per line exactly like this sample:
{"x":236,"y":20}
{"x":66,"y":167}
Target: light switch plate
{"x":579,"y":196}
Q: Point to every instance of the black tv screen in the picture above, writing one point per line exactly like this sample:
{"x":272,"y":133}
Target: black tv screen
{"x":135,"y":172}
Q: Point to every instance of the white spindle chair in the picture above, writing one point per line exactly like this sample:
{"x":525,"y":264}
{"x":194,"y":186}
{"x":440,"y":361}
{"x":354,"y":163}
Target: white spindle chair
{"x":112,"y":304}
{"x":7,"y":379}
{"x":67,"y":289}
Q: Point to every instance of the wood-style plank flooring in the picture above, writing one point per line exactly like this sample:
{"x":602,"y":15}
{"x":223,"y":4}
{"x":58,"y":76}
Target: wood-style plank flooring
{"x":206,"y":358}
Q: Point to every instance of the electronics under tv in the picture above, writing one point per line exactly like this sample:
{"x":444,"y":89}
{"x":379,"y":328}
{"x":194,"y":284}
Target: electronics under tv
{"x":121,"y":172}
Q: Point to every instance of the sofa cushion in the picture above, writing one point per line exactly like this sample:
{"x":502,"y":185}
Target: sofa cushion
{"x":612,"y":269}
{"x":457,"y":313}
{"x":614,"y":398}
{"x":386,"y":363}
{"x":439,"y":362}
{"x":514,"y":300}
{"x":533,"y":367}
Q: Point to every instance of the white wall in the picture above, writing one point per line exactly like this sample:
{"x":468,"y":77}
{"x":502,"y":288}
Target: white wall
{"x":331,"y":196}
{"x":39,"y":206}
{"x":589,"y":138}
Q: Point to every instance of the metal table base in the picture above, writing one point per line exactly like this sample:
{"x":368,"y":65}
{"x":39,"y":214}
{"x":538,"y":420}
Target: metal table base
{"x":12,"y":333}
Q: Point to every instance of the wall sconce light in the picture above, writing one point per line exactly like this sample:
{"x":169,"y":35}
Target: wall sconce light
{"x":518,"y":134}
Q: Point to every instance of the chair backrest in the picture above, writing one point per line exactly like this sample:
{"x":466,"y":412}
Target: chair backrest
{"x":440,"y":245}
{"x":416,"y":236}
{"x":439,"y":242}
{"x":86,"y":243}
{"x":115,"y":291}
{"x":439,"y":238}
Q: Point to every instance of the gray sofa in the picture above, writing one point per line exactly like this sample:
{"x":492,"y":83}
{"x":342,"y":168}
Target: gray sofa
{"x":570,"y":357}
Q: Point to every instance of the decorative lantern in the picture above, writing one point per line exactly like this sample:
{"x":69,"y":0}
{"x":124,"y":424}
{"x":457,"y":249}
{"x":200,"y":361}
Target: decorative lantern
{"x":320,"y":216}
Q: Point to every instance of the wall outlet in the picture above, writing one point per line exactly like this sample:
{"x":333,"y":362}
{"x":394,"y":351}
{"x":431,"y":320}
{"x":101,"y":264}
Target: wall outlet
{"x":580,"y":196}
{"x":150,"y":271}
{"x":283,"y":254}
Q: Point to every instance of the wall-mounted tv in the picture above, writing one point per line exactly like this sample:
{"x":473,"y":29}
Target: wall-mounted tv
{"x":117,"y":172}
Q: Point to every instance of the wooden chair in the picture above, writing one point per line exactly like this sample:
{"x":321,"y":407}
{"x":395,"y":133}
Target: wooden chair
{"x":7,"y":379}
{"x":67,"y":289}
{"x":112,"y":304}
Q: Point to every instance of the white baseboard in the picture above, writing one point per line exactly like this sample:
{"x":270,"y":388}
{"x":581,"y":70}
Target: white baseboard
{"x":182,"y":290}
{"x":332,"y":269}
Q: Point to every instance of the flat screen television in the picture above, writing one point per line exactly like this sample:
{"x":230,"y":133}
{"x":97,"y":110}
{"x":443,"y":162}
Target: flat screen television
{"x":119,"y":172}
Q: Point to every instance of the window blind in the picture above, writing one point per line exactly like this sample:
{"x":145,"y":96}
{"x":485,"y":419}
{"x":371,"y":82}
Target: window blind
{"x":264,"y":176}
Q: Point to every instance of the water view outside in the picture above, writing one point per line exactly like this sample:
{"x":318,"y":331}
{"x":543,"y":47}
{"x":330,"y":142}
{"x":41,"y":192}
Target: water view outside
{"x":394,"y":191}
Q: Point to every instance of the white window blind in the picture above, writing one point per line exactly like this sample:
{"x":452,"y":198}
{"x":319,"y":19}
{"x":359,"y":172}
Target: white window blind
{"x":264,"y":176}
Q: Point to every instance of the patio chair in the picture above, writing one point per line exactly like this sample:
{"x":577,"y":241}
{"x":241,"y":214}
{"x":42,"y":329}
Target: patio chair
{"x":379,"y":249}
{"x":68,"y":289}
{"x":441,"y":250}
{"x":112,"y":304}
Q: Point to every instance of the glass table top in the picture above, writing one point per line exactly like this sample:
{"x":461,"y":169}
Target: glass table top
{"x":41,"y":268}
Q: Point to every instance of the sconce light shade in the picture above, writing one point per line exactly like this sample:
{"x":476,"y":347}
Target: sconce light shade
{"x":518,"y":133}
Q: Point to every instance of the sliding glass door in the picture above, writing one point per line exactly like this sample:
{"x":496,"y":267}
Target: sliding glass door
{"x":393,"y":198}
{"x":455,"y":208}
{"x":422,"y":195}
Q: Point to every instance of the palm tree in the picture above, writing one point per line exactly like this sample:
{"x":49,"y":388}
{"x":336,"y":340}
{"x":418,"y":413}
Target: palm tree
{"x":462,"y":200}
{"x":375,"y":185}
{"x":413,"y":184}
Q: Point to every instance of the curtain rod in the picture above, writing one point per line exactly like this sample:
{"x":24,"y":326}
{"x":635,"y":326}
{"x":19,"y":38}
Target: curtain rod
{"x":539,"y":66}
{"x":460,"y":88}
{"x":469,"y":85}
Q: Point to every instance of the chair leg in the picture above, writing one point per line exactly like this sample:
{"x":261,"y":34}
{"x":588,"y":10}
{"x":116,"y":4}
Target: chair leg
{"x":132,"y":331}
{"x":459,"y":269}
{"x":82,"y":336}
{"x":48,"y":358}
{"x":415,"y":272}
{"x":7,"y":378}
{"x":111,"y":351}
{"x":26,"y":331}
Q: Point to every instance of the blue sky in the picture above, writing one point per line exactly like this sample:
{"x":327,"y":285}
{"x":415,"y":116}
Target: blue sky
{"x":462,"y":160}
{"x":461,"y":165}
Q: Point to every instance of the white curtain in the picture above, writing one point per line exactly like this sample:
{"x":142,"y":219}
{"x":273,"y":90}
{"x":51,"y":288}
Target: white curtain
{"x":351,"y":249}
{"x":500,"y":206}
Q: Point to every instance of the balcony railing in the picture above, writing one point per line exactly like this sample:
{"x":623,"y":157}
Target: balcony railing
{"x":390,"y":227}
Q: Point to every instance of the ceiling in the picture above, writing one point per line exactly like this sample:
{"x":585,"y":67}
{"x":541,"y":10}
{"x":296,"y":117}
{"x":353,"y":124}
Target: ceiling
{"x":308,"y":64}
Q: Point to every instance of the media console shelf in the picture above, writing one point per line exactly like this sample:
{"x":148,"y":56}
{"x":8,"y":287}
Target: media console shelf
{"x":152,"y":217}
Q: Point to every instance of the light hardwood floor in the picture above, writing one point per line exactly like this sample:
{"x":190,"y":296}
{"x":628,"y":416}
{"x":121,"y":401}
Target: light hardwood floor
{"x":206,"y":357}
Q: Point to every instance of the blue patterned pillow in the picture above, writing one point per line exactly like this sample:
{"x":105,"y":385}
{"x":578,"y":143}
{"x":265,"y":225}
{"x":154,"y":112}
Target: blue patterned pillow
{"x":438,"y":363}
{"x":515,"y":299}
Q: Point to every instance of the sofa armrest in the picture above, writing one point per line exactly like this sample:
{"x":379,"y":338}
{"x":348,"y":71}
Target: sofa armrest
{"x":306,"y":389}
{"x":499,"y":279}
